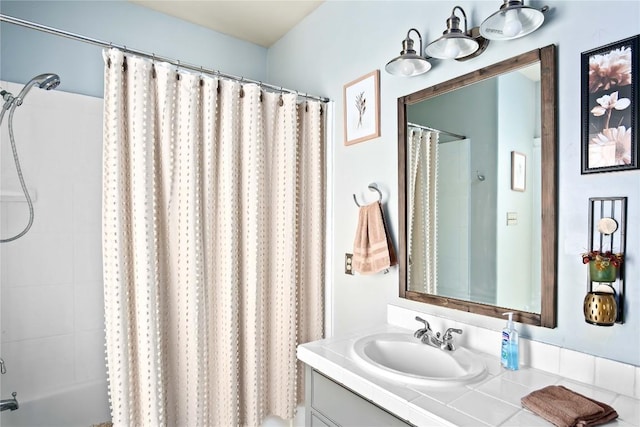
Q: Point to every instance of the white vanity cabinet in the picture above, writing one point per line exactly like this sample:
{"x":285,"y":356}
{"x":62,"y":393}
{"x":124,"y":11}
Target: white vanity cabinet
{"x":330,"y":404}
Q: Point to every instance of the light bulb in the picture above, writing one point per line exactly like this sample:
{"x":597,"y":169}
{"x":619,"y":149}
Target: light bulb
{"x":512,"y":24}
{"x":407,"y":68}
{"x":451,"y":48}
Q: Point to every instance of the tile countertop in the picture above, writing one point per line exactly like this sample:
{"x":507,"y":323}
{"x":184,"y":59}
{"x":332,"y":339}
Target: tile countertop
{"x":493,"y":401}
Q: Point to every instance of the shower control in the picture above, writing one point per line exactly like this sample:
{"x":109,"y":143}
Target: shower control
{"x":3,"y":368}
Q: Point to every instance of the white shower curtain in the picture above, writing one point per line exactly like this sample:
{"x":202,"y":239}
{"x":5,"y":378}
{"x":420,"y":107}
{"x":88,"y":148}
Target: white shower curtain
{"x":213,"y":245}
{"x":423,"y":168}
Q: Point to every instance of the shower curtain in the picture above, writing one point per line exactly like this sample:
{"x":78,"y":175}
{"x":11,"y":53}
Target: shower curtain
{"x":213,"y":245}
{"x":423,"y":167}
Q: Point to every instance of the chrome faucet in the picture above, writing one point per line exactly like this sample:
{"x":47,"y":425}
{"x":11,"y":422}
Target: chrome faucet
{"x":9,"y":404}
{"x":427,"y":336}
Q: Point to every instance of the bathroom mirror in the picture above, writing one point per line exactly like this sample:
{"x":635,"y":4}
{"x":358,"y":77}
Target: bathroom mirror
{"x":477,"y":187}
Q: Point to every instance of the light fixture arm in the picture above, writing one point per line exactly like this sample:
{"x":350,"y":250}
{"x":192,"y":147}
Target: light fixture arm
{"x":407,"y":44}
{"x":515,"y":3}
{"x":510,"y":3}
{"x":454,"y":18}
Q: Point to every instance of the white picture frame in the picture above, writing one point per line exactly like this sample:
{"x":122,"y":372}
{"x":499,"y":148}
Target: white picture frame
{"x":362,"y":108}
{"x":518,"y":171}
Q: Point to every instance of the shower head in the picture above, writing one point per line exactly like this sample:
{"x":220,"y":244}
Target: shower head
{"x":49,"y":81}
{"x":46,"y":81}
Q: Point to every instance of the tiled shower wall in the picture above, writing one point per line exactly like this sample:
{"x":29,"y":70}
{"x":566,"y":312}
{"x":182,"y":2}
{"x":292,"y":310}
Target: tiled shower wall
{"x":52,"y":298}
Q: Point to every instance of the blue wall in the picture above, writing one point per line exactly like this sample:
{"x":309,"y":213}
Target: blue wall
{"x":332,"y":48}
{"x":25,"y":53}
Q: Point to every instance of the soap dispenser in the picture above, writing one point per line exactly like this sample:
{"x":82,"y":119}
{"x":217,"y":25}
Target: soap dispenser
{"x":509,"y":354}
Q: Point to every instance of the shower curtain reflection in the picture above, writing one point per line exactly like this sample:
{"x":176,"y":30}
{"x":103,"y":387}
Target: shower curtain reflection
{"x":439,"y":197}
{"x":422,"y":158}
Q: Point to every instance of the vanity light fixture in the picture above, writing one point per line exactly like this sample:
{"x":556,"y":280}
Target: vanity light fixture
{"x":512,"y":21}
{"x":409,"y":63}
{"x":455,"y":43}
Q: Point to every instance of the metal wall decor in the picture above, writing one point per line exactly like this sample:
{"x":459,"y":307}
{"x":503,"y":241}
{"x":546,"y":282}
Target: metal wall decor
{"x":604,"y":302}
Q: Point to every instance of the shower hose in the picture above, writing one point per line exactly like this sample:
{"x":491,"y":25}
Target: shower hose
{"x":11,"y":106}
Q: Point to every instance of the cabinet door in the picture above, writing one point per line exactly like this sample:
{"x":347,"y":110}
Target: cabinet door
{"x":345,"y":408}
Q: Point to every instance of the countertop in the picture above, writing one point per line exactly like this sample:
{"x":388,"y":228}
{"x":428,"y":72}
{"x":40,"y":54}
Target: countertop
{"x":493,"y":401}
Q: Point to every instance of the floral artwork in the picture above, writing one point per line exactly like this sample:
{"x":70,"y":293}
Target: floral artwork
{"x":610,"y":117}
{"x":362,"y":109}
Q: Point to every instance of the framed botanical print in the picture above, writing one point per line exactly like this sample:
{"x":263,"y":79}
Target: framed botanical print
{"x":610,"y":107}
{"x":362,"y":108}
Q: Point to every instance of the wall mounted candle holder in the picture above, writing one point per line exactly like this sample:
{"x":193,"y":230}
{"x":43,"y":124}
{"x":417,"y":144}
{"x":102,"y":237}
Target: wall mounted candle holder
{"x":604,"y":302}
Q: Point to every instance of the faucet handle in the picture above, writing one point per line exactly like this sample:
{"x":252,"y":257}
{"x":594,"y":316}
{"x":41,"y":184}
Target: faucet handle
{"x":420,"y":332}
{"x":447,"y":339}
{"x":426,"y":324}
{"x":447,"y":334}
{"x":3,"y":368}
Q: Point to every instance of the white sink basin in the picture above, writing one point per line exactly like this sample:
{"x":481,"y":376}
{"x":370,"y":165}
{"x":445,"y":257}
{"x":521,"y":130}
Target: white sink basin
{"x":402,"y":357}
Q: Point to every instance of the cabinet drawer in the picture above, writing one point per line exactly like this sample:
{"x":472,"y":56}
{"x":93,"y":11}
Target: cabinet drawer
{"x":344,"y":407}
{"x":317,"y":422}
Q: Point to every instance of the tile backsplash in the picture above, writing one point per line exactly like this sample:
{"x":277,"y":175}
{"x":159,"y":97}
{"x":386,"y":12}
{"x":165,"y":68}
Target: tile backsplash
{"x":608,"y":374}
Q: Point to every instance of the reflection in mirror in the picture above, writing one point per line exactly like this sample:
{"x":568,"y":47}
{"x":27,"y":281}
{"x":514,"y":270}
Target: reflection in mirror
{"x":474,"y":219}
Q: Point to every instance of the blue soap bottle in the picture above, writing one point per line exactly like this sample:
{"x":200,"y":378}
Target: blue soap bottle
{"x":509,"y":354}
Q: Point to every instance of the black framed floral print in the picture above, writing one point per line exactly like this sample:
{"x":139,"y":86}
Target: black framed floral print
{"x":610,"y":107}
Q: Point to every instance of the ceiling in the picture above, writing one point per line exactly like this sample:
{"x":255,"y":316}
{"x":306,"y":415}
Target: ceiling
{"x":262,"y":22}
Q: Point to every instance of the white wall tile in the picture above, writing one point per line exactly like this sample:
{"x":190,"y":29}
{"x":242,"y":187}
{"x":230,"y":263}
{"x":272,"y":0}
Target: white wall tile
{"x":484,"y":340}
{"x":39,"y":311}
{"x":87,"y":205}
{"x":52,"y":208}
{"x":615,"y":376}
{"x":89,"y":307}
{"x":87,"y":265}
{"x":38,"y":367}
{"x":577,"y":366}
{"x":90,"y":356}
{"x":542,"y":356}
{"x":637,"y":386}
{"x":39,"y":259}
{"x":87,"y":144}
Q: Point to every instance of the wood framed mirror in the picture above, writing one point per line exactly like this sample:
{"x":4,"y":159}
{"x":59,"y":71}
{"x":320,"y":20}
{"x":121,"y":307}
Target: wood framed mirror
{"x":477,"y":174}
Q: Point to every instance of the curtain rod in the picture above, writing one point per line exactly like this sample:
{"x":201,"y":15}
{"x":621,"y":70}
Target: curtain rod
{"x":177,"y":63}
{"x":436,"y":130}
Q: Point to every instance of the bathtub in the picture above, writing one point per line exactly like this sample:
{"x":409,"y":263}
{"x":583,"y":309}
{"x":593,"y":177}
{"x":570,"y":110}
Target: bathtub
{"x":81,"y":406}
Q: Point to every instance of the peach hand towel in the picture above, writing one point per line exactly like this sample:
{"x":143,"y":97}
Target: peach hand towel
{"x":372,"y":248}
{"x":566,"y":408}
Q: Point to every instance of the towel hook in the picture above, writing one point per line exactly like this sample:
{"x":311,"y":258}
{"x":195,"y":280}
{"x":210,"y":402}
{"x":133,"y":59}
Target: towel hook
{"x":371,"y":187}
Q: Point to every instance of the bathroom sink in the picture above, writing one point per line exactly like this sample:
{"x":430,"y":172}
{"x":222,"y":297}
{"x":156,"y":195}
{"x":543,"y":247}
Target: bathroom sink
{"x":404,"y":358}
